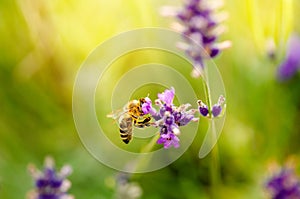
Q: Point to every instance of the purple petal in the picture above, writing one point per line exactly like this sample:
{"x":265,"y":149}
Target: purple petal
{"x":284,"y":184}
{"x":294,"y":48}
{"x":56,"y":183}
{"x":169,"y":120}
{"x":165,"y":136}
{"x":169,"y":140}
{"x":147,"y":107}
{"x":287,"y":69}
{"x":291,"y":64}
{"x":185,"y":120}
{"x":156,"y":116}
{"x":175,"y":138}
{"x":48,"y":196}
{"x":216,"y":110}
{"x":214,"y":52}
{"x":161,"y":140}
{"x":41,"y":183}
{"x":208,"y":40}
{"x":177,"y":116}
{"x":175,"y":141}
{"x":167,"y":96}
{"x":203,"y":110}
{"x":168,"y":144}
{"x":176,"y":144}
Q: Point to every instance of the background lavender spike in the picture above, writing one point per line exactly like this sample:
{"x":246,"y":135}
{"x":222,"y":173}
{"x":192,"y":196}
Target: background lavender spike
{"x":284,"y":184}
{"x":50,"y":184}
{"x":125,"y":189}
{"x":200,"y":22}
{"x":291,"y":65}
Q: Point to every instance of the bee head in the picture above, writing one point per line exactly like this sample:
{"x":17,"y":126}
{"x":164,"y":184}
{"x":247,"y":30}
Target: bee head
{"x":142,"y":101}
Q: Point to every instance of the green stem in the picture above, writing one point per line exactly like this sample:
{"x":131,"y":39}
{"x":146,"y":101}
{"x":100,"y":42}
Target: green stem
{"x":150,"y":145}
{"x":214,"y":164}
{"x":206,"y":88}
{"x":214,"y":172}
{"x":144,"y":161}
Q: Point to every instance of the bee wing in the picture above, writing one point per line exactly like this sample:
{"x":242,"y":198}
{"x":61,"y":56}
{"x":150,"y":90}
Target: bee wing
{"x":116,"y":114}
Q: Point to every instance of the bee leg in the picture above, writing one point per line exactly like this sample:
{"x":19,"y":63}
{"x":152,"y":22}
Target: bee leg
{"x":147,"y":120}
{"x":140,"y":125}
{"x":137,"y":124}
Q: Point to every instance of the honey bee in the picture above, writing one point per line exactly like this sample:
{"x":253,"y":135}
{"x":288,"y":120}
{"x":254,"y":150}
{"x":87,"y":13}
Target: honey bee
{"x":131,"y":115}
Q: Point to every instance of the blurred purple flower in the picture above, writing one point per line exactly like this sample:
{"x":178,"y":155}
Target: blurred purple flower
{"x":289,"y":67}
{"x":284,"y":185}
{"x":125,"y":189}
{"x":199,"y":23}
{"x":50,"y":184}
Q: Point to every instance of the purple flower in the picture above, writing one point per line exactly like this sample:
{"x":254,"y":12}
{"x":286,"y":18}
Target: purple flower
{"x":169,"y":118}
{"x":184,"y":116}
{"x":203,"y":109}
{"x":284,"y":185}
{"x":167,"y":96}
{"x":199,"y":23}
{"x":289,"y":67}
{"x":216,"y":110}
{"x":49,"y":183}
{"x":147,"y":107}
{"x":168,"y":140}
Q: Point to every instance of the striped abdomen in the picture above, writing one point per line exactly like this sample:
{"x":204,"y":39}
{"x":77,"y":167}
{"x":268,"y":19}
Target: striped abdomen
{"x":125,"y":125}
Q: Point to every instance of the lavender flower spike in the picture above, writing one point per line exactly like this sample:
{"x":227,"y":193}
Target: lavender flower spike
{"x":169,"y":118}
{"x":200,"y":24}
{"x":284,"y":185}
{"x":291,"y":64}
{"x":126,"y":189}
{"x":50,"y":184}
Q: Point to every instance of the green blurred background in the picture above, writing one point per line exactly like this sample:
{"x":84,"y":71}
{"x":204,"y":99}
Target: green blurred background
{"x":42,"y":45}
